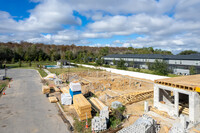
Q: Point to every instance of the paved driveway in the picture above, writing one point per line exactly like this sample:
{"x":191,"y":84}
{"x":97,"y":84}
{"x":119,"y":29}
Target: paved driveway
{"x":24,"y":109}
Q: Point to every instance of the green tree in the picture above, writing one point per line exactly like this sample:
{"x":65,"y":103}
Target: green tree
{"x":20,"y":63}
{"x":99,"y":62}
{"x":104,"y":51}
{"x":192,"y":70}
{"x":13,"y":60}
{"x":114,"y":62}
{"x":30,"y":63}
{"x":69,"y":55}
{"x":121,"y":65}
{"x":188,"y":52}
{"x":160,"y":67}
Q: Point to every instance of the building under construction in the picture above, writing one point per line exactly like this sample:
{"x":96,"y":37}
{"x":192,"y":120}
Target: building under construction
{"x":179,"y":95}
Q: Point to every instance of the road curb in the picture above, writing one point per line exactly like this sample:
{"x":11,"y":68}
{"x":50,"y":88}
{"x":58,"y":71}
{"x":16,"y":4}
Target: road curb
{"x":39,"y":74}
{"x":63,"y":113}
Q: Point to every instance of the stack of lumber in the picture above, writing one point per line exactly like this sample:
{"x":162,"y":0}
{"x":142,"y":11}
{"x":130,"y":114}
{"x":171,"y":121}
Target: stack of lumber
{"x":45,"y":89}
{"x":82,"y":106}
{"x":184,"y":110}
{"x":53,"y":99}
{"x":97,"y":103}
{"x":65,"y":89}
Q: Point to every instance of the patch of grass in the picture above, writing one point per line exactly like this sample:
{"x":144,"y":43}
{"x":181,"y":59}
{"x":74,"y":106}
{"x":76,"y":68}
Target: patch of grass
{"x":42,"y":72}
{"x":117,"y":116}
{"x":75,"y":69}
{"x":79,"y":126}
{"x":3,"y":83}
{"x":26,"y":65}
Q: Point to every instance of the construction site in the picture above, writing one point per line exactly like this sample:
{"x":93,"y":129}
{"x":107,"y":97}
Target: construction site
{"x":94,"y":96}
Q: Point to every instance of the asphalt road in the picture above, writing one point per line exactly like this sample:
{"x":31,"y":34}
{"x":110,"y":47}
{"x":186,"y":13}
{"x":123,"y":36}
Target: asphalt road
{"x":24,"y":109}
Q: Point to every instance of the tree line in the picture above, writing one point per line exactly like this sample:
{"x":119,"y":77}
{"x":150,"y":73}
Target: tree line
{"x":26,"y":51}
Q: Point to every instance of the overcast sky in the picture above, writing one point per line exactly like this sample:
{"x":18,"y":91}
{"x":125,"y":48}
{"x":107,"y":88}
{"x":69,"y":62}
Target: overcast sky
{"x":166,"y":24}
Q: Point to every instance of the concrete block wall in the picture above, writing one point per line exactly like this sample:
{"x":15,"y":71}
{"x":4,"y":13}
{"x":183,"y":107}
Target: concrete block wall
{"x":173,"y":109}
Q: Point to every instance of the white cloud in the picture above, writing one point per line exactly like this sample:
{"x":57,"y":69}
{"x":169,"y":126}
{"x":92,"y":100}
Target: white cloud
{"x":148,"y":18}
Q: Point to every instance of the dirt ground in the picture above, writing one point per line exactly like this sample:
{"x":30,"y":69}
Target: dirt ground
{"x":109,"y":87}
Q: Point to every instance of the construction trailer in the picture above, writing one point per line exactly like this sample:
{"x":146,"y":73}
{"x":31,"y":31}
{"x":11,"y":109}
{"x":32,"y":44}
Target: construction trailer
{"x":179,"y":95}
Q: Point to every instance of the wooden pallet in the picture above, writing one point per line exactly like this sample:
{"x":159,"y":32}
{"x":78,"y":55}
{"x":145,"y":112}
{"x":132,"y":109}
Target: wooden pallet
{"x":191,"y":83}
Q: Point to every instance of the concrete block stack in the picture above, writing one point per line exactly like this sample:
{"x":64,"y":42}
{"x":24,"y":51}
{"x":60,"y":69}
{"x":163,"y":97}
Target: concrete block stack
{"x":99,"y":124}
{"x":104,"y":113}
{"x":66,"y":99}
{"x":82,"y":107}
{"x":144,"y":124}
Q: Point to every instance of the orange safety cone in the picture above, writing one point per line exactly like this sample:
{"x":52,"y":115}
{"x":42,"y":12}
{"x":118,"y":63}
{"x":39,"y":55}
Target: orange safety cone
{"x":4,"y":93}
{"x":86,"y":126}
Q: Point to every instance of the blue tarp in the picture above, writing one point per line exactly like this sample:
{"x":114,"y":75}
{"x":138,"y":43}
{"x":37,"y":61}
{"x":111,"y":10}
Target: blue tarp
{"x":74,"y":93}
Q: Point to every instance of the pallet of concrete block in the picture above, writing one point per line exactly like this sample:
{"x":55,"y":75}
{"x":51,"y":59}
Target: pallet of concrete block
{"x":75,"y":86}
{"x":65,"y":89}
{"x":98,"y":124}
{"x":53,"y":99}
{"x":82,"y":106}
{"x":66,"y":99}
{"x":144,"y":124}
{"x":45,"y":89}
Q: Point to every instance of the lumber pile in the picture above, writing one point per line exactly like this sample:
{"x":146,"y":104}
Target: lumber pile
{"x":56,"y":89}
{"x":97,"y":103}
{"x":136,"y":97}
{"x":184,"y":110}
{"x":165,"y":114}
{"x":65,"y":89}
{"x":82,"y":106}
{"x":45,"y":89}
{"x":53,"y":99}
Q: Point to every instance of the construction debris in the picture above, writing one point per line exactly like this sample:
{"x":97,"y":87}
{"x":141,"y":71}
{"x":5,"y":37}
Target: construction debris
{"x":144,"y":124}
{"x":116,"y":104}
{"x":177,"y":128}
{"x":82,"y":107}
{"x":45,"y":89}
{"x":53,"y":99}
{"x":99,"y":124}
{"x":101,"y":107}
{"x":65,"y":89}
{"x":66,"y":99}
{"x":56,"y":89}
{"x":57,"y":81}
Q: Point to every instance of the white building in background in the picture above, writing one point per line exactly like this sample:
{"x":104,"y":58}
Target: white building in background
{"x":178,"y":64}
